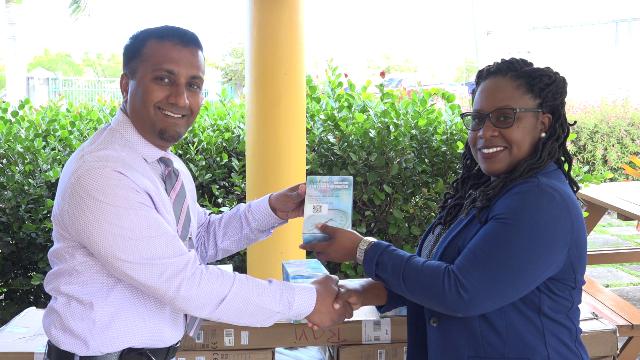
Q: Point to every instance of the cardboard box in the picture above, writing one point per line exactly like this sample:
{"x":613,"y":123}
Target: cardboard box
{"x":304,"y":353}
{"x":23,"y":338}
{"x":261,"y":354}
{"x":366,"y":327}
{"x":397,"y":351}
{"x":598,"y":335}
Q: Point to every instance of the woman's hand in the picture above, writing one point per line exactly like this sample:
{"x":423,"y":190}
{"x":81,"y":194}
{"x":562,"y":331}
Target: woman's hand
{"x":341,"y":246}
{"x":349,"y":293}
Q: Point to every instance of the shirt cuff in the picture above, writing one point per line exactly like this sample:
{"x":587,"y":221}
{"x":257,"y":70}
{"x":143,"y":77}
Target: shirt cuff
{"x":304,"y":300}
{"x":262,"y":216}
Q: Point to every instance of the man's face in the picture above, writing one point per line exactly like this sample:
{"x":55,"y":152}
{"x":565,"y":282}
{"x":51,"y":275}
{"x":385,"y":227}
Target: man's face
{"x":164,"y":96}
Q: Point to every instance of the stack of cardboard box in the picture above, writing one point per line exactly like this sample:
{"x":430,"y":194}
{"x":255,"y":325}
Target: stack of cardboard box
{"x":366,"y":327}
{"x":23,"y":339}
{"x":368,"y":335}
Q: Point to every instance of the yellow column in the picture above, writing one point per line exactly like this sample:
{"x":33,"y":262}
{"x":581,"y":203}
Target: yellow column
{"x":276,"y":134}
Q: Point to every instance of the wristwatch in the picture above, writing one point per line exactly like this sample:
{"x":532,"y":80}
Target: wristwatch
{"x":362,"y":247}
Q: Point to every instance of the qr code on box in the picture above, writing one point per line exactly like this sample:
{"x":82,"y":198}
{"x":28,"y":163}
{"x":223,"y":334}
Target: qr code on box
{"x":319,"y":209}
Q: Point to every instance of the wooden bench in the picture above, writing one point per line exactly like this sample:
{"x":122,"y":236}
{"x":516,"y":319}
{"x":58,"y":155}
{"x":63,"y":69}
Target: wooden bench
{"x":624,"y":199}
{"x":620,"y":313}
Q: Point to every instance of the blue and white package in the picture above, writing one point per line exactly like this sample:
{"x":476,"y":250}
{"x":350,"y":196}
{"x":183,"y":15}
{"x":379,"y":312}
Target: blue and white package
{"x":302,"y":271}
{"x":329,"y":200}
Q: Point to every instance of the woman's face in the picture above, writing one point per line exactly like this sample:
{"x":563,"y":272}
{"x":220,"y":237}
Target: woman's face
{"x":498,"y":151}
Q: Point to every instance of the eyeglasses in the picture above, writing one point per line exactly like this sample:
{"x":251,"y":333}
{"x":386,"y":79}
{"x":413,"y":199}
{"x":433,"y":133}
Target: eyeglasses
{"x":501,"y":118}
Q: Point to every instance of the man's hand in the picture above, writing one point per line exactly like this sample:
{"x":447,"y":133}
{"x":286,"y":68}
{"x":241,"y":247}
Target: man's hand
{"x":324,"y":313}
{"x":288,"y":203}
{"x":341,"y":246}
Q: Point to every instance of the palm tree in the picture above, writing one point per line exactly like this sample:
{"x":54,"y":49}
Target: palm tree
{"x":78,"y":7}
{"x":15,"y":69}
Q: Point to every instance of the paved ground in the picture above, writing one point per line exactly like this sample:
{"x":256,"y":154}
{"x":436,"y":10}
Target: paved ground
{"x":622,"y":279}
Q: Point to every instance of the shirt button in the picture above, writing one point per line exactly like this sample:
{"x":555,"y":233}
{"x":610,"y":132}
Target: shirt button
{"x":434,"y":321}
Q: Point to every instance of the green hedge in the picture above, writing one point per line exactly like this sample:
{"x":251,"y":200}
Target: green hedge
{"x":34,"y":145}
{"x":402,"y":151}
{"x":606,"y":135}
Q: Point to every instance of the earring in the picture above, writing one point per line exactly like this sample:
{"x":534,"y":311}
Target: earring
{"x":543,"y":134}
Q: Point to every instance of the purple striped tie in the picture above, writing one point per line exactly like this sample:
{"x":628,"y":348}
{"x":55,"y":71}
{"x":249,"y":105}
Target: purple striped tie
{"x":178,"y":195}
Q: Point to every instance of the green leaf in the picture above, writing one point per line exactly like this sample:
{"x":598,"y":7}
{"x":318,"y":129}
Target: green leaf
{"x":394,"y":169}
{"x":37,"y":279}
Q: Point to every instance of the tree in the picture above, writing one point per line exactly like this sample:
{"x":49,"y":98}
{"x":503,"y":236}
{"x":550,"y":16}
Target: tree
{"x":391,"y":64}
{"x":59,"y":63}
{"x":466,"y":72}
{"x":105,"y":66}
{"x":3,"y":78}
{"x":232,"y":69}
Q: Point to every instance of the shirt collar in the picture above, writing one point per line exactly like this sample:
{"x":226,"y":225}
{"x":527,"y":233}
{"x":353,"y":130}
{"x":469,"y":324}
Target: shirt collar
{"x":148,"y":151}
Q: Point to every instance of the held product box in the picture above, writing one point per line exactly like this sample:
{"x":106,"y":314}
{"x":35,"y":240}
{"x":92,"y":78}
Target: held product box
{"x":302,"y":271}
{"x":395,"y":351}
{"x":366,"y":327}
{"x":329,"y":200}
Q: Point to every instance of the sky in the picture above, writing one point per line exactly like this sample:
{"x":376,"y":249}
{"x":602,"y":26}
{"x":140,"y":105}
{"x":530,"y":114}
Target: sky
{"x":592,"y":43}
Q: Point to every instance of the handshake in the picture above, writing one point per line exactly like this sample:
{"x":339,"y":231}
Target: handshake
{"x":334,"y":302}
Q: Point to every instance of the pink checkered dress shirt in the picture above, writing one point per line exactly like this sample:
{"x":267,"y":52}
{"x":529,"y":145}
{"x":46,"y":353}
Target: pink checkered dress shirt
{"x":121,"y":277}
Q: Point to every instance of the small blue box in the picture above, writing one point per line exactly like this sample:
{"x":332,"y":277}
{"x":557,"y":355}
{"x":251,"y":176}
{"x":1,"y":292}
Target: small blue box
{"x":302,"y":271}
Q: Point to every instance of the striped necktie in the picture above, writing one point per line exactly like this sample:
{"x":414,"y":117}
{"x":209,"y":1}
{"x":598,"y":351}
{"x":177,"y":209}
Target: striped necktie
{"x":178,"y":195}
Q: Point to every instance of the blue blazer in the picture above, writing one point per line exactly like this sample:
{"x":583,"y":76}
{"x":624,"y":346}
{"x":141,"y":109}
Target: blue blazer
{"x":502,"y":285}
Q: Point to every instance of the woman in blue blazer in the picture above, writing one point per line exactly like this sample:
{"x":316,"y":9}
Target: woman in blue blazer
{"x":499,"y":273}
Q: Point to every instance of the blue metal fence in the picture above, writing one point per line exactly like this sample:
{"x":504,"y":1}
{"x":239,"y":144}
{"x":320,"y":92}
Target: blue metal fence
{"x":84,"y":90}
{"x":80,"y":90}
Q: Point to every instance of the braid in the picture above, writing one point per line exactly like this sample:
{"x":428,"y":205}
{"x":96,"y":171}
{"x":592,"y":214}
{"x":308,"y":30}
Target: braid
{"x":473,"y":188}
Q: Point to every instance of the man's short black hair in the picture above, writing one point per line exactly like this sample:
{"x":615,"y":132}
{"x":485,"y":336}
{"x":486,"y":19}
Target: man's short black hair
{"x":137,"y":42}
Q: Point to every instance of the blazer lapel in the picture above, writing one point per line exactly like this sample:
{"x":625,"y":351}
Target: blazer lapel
{"x":452,"y":232}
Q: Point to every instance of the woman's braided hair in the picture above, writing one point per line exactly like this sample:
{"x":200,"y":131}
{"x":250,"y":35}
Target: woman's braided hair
{"x":472,"y":188}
